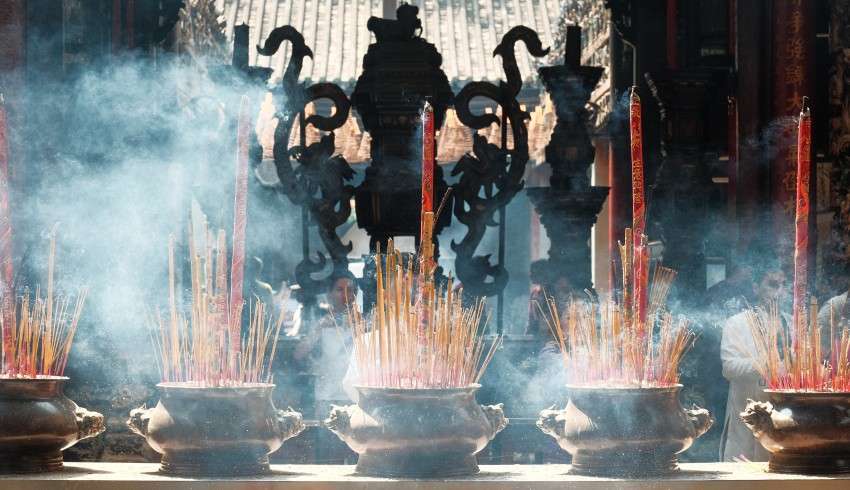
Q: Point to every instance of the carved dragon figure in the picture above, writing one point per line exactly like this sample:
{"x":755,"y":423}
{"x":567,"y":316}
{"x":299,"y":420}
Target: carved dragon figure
{"x":490,"y":170}
{"x":319,"y":180}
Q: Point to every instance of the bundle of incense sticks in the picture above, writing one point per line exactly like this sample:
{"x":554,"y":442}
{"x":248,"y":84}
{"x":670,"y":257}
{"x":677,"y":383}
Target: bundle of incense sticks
{"x":803,"y":359}
{"x":603,"y":344}
{"x":419,"y":334}
{"x":41,"y":330}
{"x":199,"y":350}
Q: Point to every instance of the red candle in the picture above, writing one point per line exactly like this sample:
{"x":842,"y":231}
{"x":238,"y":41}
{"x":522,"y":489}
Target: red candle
{"x":240,"y":220}
{"x":801,"y":222}
{"x":427,"y":159}
{"x":641,"y":272}
{"x":8,"y":272}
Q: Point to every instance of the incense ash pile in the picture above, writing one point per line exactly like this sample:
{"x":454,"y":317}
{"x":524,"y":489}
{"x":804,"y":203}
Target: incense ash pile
{"x":628,"y":343}
{"x":803,"y":359}
{"x":207,"y":349}
{"x":38,"y":331}
{"x":421,"y":335}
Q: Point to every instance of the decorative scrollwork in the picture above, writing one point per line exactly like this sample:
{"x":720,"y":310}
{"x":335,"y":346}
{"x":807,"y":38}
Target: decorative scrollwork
{"x":490,"y":171}
{"x":311,"y":176}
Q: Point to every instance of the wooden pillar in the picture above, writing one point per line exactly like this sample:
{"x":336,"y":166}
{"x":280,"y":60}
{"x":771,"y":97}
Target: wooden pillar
{"x":123,"y":25}
{"x":619,"y":166}
{"x":12,"y":42}
{"x":752,"y":108}
{"x":672,"y":34}
{"x":601,"y":233}
{"x":12,"y":61}
{"x":835,"y":277}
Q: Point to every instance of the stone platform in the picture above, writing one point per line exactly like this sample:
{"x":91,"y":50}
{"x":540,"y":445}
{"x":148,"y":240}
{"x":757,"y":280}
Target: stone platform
{"x":144,"y":476}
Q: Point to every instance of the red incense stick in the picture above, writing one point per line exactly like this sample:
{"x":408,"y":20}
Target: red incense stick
{"x":427,"y":160}
{"x":641,"y":271}
{"x":801,"y":222}
{"x":240,"y":219}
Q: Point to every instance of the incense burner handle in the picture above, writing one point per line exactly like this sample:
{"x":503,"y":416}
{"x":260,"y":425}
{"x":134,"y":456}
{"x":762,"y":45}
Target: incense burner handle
{"x":339,"y":422}
{"x":289,"y":423}
{"x":89,"y":423}
{"x":553,"y":422}
{"x":700,"y":419}
{"x":138,"y":421}
{"x":759,"y":417}
{"x":496,"y":416}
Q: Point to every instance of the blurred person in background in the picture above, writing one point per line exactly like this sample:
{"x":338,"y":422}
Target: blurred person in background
{"x":326,"y":342}
{"x":738,"y":354}
{"x":325,"y":348}
{"x":834,"y":313}
{"x":539,"y":276}
{"x":732,"y":294}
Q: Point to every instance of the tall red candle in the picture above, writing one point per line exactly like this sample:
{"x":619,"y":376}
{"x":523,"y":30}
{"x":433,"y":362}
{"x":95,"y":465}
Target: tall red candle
{"x":8,"y":272}
{"x":640,"y":273}
{"x":240,"y":221}
{"x":801,"y":222}
{"x":427,"y":159}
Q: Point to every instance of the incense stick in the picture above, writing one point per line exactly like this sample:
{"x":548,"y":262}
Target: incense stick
{"x":200,"y":350}
{"x":418,"y":339}
{"x":41,"y":329}
{"x":796,"y":361}
{"x":603,"y":344}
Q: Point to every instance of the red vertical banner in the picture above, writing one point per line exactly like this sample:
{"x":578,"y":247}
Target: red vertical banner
{"x":672,"y":34}
{"x":8,"y":272}
{"x":240,"y":222}
{"x":801,"y":220}
{"x":641,"y":267}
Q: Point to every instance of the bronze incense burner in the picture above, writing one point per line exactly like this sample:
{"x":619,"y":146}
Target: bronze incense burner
{"x":625,"y":432}
{"x":218,"y":431}
{"x":417,"y":433}
{"x":38,"y":422}
{"x":805,"y":432}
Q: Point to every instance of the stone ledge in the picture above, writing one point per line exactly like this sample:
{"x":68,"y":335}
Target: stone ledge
{"x":144,"y":476}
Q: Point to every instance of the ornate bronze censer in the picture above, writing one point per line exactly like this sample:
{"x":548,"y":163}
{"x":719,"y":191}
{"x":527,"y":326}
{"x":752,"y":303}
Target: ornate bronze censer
{"x":417,"y":433}
{"x":625,"y":432}
{"x":227,"y":431}
{"x":805,"y":432}
{"x":37,"y":422}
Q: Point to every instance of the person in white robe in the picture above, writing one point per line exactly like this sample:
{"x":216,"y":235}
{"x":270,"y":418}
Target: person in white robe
{"x":737,"y":353}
